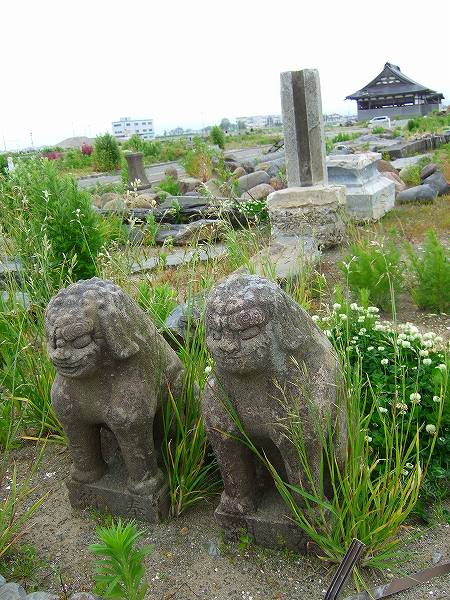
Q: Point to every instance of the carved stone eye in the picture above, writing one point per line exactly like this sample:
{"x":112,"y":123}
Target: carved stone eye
{"x":82,"y":341}
{"x":248,"y":334}
{"x":216,"y":334}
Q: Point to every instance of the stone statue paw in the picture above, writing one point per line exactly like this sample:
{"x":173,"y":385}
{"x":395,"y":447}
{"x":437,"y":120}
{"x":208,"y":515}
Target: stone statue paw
{"x":240,"y":506}
{"x":146,"y":486}
{"x":88,"y":476}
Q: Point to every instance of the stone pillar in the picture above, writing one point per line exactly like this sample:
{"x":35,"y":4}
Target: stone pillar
{"x":136,"y":172}
{"x":304,"y":137}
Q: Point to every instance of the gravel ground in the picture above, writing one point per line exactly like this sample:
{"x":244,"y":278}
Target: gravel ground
{"x":190,"y":559}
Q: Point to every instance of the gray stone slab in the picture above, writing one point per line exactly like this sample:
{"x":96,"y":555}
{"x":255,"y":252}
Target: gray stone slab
{"x":41,"y":596}
{"x":180,"y":257}
{"x":419,"y":193}
{"x":304,"y":136}
{"x":438,"y":182}
{"x":2,"y":580}
{"x":12,"y":591}
{"x":400,"y":163}
{"x":247,"y":182}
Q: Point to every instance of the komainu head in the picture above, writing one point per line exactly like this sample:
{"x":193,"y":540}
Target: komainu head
{"x":252,"y":325}
{"x":90,"y":324}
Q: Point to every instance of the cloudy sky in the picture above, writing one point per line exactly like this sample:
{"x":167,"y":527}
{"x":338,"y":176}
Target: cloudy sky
{"x":70,"y":68}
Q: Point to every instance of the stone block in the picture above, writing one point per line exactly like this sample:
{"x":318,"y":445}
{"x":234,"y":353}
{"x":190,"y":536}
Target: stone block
{"x":251,"y":180}
{"x":137,"y":178}
{"x":12,"y":591}
{"x":418,"y":193}
{"x":304,"y":136}
{"x":189,"y":184}
{"x":369,"y":195}
{"x":438,"y":182}
{"x":308,"y":212}
{"x":185,"y":233}
{"x":259,"y":192}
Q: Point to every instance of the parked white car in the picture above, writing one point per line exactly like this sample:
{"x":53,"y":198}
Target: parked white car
{"x":380,"y":122}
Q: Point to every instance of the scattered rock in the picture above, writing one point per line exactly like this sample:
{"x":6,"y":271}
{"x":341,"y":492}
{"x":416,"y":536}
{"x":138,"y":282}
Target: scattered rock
{"x":399,"y":184}
{"x":108,"y":197}
{"x":20,"y":299}
{"x":384,"y":166}
{"x":141,"y":201}
{"x":247,"y":182}
{"x":239,"y":172}
{"x":419,"y":193}
{"x":189,"y":184}
{"x":12,"y":591}
{"x":41,"y":596}
{"x":171,"y":172}
{"x":2,"y":580}
{"x":116,"y":205}
{"x":212,"y":548}
{"x":407,"y":161}
{"x":185,"y":318}
{"x":10,"y":269}
{"x":83,"y":596}
{"x":259,"y":192}
{"x":248,"y":166}
{"x":438,"y":182}
{"x":277,"y":184}
{"x":181,"y":256}
{"x":428,"y":170}
{"x":213,"y":188}
{"x":96,"y":200}
{"x":185,"y":233}
{"x":341,"y":149}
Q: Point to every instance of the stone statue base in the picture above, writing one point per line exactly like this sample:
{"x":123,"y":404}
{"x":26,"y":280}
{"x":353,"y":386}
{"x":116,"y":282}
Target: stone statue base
{"x":270,"y":526}
{"x":110,"y":493}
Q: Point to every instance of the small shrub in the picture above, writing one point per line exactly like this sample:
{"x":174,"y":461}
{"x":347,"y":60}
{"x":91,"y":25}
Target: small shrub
{"x":378,"y":130}
{"x":86,"y":149}
{"x":119,"y":568}
{"x":376,"y":267}
{"x":411,"y":175}
{"x":170,"y":185}
{"x":431,"y":272}
{"x":198,"y":160}
{"x":106,"y":154}
{"x":217,"y":136}
{"x":158,"y":300}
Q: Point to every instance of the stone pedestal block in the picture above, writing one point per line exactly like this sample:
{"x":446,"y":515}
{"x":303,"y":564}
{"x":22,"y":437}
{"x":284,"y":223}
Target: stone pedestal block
{"x":369,"y":195}
{"x":136,"y":172}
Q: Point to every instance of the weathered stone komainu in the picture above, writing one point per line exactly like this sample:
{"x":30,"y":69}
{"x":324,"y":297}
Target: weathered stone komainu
{"x":270,"y":359}
{"x":114,"y":372}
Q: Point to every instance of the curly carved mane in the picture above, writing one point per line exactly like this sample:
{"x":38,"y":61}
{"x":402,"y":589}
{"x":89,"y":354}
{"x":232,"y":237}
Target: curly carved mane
{"x":119,"y":320}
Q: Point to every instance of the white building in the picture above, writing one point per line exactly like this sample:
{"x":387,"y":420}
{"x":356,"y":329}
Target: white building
{"x":260,"y":121}
{"x":126,"y":127}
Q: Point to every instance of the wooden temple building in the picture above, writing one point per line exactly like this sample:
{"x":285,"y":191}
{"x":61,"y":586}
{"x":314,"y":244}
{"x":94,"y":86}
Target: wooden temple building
{"x":393,"y":94}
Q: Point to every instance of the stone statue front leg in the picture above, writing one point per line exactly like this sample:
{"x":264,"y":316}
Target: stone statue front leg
{"x":84,"y":445}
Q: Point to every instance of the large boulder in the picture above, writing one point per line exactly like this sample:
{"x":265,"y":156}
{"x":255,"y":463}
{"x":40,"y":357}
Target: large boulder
{"x":116,"y":205}
{"x":259,"y":192}
{"x":100,"y":200}
{"x":171,"y":172}
{"x":248,"y":166}
{"x":438,"y":182}
{"x":399,"y":184}
{"x":384,"y":166}
{"x":428,"y":170}
{"x":239,"y":172}
{"x":249,"y":181}
{"x":419,"y":193}
{"x":142,"y":201}
{"x":189,"y":184}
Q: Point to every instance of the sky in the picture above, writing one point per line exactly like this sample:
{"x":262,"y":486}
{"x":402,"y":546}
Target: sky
{"x":71,"y":68}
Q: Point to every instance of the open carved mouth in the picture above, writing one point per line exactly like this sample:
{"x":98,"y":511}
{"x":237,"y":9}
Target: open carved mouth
{"x":67,"y":366}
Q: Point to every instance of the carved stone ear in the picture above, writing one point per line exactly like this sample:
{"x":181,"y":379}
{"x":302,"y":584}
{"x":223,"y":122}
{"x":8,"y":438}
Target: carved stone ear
{"x":116,"y":326}
{"x":291,"y":329}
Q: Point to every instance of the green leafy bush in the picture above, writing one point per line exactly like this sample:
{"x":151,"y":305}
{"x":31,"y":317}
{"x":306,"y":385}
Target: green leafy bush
{"x":170,"y":185}
{"x":119,"y":568}
{"x":374,"y":266}
{"x":217,"y":136}
{"x":430,"y":287}
{"x":411,"y":175}
{"x":198,"y":160}
{"x":378,"y":130}
{"x":52,"y":222}
{"x":106,"y":155}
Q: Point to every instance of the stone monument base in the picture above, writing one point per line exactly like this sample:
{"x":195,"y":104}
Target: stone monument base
{"x":285,"y":258}
{"x":110,"y":494}
{"x":369,"y":194}
{"x":270,"y":526}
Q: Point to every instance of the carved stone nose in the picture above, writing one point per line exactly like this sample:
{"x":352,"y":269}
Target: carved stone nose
{"x":228,"y":343}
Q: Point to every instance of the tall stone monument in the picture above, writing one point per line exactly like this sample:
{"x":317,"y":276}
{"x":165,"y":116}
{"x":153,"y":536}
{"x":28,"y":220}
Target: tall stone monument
{"x":114,"y":374}
{"x":137,"y":179}
{"x":306,"y":216}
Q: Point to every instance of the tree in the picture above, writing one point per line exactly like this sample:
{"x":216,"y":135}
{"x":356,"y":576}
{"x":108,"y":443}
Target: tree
{"x":225,"y":124}
{"x":218,"y":137}
{"x":106,"y":153}
{"x":242,"y":125}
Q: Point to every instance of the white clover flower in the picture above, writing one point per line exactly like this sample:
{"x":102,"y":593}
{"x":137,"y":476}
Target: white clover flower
{"x":415,"y":397}
{"x":367,"y":439}
{"x":402,"y":407}
{"x":384,"y":361}
{"x":438,"y":338}
{"x":430,"y":428}
{"x":381,"y":348}
{"x":427,"y":343}
{"x":336,"y":306}
{"x":409,"y":466}
{"x":405,"y":343}
{"x":379,"y":327}
{"x":382,"y":409}
{"x":361,"y":319}
{"x":373,"y":309}
{"x":402,"y":336}
{"x":436,"y":398}
{"x":354,"y":306}
{"x":362,"y":331}
{"x":405,"y":472}
{"x":343,"y":316}
{"x":327,"y":332}
{"x":370,"y":348}
{"x":427,"y":361}
{"x":315,"y":318}
{"x":208,"y":369}
{"x":441,"y":367}
{"x":423,"y":353}
{"x":429,"y":335}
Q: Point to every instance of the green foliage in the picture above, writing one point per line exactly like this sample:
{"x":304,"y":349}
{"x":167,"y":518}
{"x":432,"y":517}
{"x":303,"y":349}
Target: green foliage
{"x":21,"y":565}
{"x":151,"y":230}
{"x":52,"y":223}
{"x":135,"y":143}
{"x":119,"y":567}
{"x":253,"y":210}
{"x":430,"y":288}
{"x":106,"y":155}
{"x":344,"y":137}
{"x":170,"y":185}
{"x":397,"y":132}
{"x":378,"y":130}
{"x":3,"y":164}
{"x":374,"y":266}
{"x":74,"y":159}
{"x":198,"y":160}
{"x":433,"y":123}
{"x":158,"y":300}
{"x":411,"y":175}
{"x":217,"y":136}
